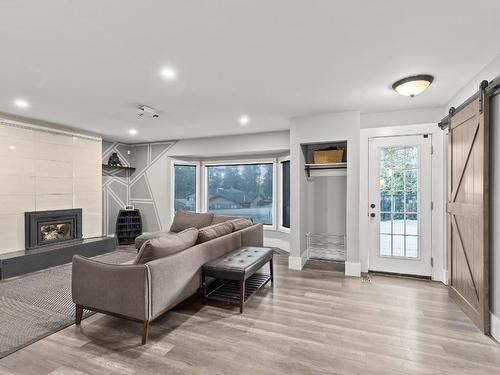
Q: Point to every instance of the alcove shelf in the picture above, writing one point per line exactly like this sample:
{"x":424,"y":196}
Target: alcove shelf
{"x":327,"y":169}
{"x":313,"y":169}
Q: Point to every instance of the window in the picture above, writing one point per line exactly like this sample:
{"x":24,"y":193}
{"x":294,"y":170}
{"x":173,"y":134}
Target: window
{"x":285,"y":191}
{"x":185,"y":188}
{"x":241,"y":190}
{"x":399,"y":201}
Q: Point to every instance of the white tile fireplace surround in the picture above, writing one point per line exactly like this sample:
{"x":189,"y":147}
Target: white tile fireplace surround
{"x":46,"y":169}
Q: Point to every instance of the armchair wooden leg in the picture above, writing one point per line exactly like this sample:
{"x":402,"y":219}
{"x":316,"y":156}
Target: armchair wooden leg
{"x":145,"y":330}
{"x":78,"y":314}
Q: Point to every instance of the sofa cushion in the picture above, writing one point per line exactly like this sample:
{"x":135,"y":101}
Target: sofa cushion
{"x":223,"y":218}
{"x":184,"y":220}
{"x":214,"y":231}
{"x":139,"y":241}
{"x":241,"y":223}
{"x":160,"y":247}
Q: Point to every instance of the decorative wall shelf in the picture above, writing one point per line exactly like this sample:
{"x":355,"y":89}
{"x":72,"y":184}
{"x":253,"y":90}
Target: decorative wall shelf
{"x":118,"y":168}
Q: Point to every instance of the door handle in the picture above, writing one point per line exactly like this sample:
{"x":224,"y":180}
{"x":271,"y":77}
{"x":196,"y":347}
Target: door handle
{"x":372,"y":214}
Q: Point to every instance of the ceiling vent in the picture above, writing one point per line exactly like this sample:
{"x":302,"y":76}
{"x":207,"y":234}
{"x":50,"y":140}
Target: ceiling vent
{"x":144,"y":110}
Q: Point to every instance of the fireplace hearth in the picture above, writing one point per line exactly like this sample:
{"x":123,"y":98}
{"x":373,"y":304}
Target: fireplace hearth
{"x":45,"y":228}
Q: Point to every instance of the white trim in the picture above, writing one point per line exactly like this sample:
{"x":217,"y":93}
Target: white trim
{"x":438,"y":197}
{"x":495,"y":327}
{"x":25,"y":125}
{"x":444,"y":280}
{"x":352,"y":269}
{"x":277,"y":242}
{"x":420,"y":265}
{"x":297,"y":263}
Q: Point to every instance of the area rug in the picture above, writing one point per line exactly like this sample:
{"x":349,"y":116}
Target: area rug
{"x":39,"y":304}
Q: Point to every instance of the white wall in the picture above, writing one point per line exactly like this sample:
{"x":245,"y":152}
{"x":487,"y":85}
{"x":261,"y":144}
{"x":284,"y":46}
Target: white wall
{"x":398,"y":118}
{"x":46,"y":169}
{"x":489,"y":72}
{"x":326,"y":205}
{"x":324,"y":128}
{"x":236,"y":145}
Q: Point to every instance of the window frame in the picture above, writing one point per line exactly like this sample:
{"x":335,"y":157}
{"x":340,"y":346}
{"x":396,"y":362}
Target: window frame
{"x":280,"y":161}
{"x":189,"y":163}
{"x":233,"y":162}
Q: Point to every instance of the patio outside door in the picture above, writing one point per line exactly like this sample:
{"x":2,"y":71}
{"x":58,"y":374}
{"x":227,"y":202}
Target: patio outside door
{"x":400,"y":204}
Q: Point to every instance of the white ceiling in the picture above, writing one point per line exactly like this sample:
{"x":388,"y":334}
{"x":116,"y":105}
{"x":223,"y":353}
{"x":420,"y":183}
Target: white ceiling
{"x":89,"y":64}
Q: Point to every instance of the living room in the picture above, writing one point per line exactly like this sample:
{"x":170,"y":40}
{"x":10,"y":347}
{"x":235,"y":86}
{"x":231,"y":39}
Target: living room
{"x":313,"y":183}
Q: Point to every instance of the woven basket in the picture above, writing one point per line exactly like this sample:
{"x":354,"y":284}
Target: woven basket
{"x":328,"y":156}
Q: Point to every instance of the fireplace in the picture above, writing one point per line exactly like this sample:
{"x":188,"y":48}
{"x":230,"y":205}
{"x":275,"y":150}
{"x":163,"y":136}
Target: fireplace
{"x":44,"y":228}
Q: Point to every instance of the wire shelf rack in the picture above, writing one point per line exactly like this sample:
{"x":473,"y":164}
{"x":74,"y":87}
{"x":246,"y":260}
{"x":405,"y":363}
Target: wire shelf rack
{"x":326,"y":246}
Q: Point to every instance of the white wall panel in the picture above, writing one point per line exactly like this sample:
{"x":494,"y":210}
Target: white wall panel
{"x":45,"y":169}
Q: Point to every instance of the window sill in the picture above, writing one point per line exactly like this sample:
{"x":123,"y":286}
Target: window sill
{"x":284,"y":230}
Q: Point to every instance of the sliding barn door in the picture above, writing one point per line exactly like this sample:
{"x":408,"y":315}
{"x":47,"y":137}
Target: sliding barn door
{"x":468,"y":211}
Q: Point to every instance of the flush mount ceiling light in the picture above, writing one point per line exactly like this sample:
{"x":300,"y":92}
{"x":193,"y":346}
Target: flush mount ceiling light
{"x":414,"y":85}
{"x":21,"y":103}
{"x":244,"y":120}
{"x":168,"y":73}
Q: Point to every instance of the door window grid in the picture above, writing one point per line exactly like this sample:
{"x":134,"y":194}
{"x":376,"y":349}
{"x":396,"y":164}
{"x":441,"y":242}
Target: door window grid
{"x":399,"y":201}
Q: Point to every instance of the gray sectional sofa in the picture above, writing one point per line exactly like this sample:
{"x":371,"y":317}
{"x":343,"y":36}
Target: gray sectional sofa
{"x":144,"y":291}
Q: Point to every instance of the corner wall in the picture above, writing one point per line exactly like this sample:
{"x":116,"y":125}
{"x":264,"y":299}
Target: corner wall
{"x":147,"y":188}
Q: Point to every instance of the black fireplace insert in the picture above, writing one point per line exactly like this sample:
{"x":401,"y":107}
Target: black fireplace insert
{"x":44,"y":228}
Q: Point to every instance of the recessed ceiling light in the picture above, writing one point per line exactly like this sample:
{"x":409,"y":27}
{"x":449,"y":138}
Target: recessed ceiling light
{"x":414,"y":85}
{"x":132,"y":132}
{"x":244,"y":120}
{"x":21,"y":103}
{"x":168,"y":73}
{"x":12,"y":147}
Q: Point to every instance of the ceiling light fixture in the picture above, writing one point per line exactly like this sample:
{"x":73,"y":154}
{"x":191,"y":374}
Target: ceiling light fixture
{"x":414,"y":85}
{"x":244,"y":120}
{"x":21,"y":103}
{"x":132,"y":132}
{"x":168,"y":73}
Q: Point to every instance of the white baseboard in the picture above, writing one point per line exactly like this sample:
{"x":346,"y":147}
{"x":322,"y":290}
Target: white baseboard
{"x":445,"y":277}
{"x":276,"y":242}
{"x":495,"y":327}
{"x":352,"y":269}
{"x":297,"y":263}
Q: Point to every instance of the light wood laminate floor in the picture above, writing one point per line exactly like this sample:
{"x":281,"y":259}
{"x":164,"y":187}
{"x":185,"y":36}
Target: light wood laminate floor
{"x":312,"y":322}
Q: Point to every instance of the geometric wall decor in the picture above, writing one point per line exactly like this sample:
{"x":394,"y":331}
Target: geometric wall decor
{"x":145,"y":188}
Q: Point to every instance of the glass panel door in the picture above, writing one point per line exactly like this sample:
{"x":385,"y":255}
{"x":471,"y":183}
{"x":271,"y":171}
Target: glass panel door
{"x":399,"y":211}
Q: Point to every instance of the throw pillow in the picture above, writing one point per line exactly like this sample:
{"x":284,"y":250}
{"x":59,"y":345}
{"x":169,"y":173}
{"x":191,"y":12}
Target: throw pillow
{"x":214,"y":231}
{"x":169,"y":244}
{"x":242,"y":223}
{"x":184,"y":220}
{"x":223,"y":218}
{"x":139,"y":241}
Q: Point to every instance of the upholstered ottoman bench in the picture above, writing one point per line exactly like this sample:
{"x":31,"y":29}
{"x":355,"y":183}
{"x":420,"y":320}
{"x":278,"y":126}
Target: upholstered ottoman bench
{"x":236,"y":275}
